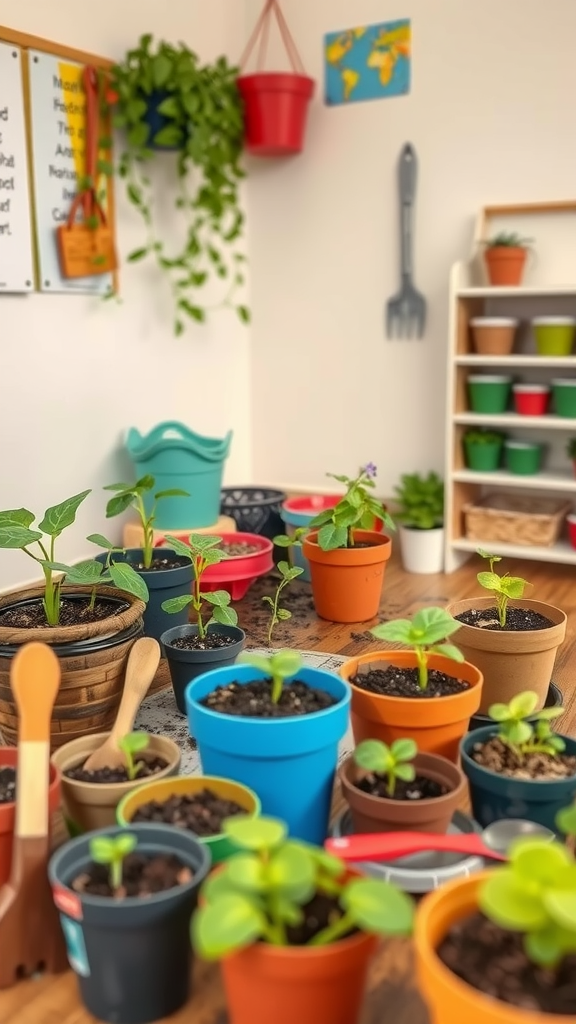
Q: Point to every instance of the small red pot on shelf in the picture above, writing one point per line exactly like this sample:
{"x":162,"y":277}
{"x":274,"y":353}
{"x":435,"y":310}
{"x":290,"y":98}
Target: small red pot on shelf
{"x":571,"y":521}
{"x":531,"y":399}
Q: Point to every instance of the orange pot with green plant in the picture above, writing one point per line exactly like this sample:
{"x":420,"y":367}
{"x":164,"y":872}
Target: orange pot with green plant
{"x":426,"y":692}
{"x":505,"y":256}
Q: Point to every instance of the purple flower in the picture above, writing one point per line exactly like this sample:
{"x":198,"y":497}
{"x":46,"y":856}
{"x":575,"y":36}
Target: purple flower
{"x":370,"y":470}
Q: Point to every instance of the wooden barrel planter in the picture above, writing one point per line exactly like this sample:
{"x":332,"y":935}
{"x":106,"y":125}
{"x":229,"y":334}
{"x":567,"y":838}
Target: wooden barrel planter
{"x":92,"y":660}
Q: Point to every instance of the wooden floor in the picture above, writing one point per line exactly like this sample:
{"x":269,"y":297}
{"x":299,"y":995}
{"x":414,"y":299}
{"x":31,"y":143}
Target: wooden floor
{"x":391,"y":996}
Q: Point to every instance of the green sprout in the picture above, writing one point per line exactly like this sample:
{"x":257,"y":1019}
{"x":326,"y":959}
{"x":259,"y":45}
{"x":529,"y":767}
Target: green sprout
{"x":279,"y":667}
{"x":425,"y":634}
{"x":260,"y":892}
{"x":566,"y":823}
{"x":113,"y":851}
{"x":133,"y":496}
{"x":393,"y":762}
{"x":505,"y":588}
{"x":133,"y":743}
{"x":535,"y":894}
{"x":508,"y":240}
{"x":287,"y":574}
{"x":524,"y":729}
{"x":357,"y":509}
{"x":203,"y":550}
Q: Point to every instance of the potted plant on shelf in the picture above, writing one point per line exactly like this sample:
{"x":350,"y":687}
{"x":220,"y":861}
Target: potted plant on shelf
{"x":293,"y":928}
{"x":517,"y":767}
{"x":125,"y":900}
{"x":90,"y":797}
{"x":500,"y":947}
{"x":89,"y":624}
{"x":273,"y":725}
{"x":505,"y":257}
{"x":167,"y":573}
{"x":426,"y":691}
{"x":199,"y":803}
{"x":512,"y":641}
{"x":164,"y":99}
{"x":482,"y":449}
{"x":347,"y":556}
{"x":420,"y":513}
{"x":396,"y":788}
{"x":192,"y":650}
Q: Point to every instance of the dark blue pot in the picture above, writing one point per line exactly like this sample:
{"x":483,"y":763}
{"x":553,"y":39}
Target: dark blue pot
{"x":162,"y":584}
{"x":186,"y":665}
{"x":157,"y":121}
{"x":495,"y":796}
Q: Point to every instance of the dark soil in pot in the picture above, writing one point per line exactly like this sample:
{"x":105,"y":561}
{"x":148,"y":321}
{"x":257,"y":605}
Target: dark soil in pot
{"x":318,"y":913}
{"x":202,"y":813}
{"x":498,"y":757}
{"x":141,"y":876}
{"x":7,"y":785}
{"x":161,"y":564}
{"x":421,"y":788}
{"x":73,"y":612}
{"x":254,"y":700}
{"x":393,"y":681}
{"x":147,"y":768}
{"x":210,"y":642}
{"x":517,"y":619}
{"x":238,"y":549}
{"x":493,"y":961}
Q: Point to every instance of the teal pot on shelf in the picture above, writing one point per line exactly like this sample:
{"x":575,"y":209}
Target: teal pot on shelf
{"x":185,"y":665}
{"x":289,"y":762}
{"x":132,"y":957}
{"x":297,"y":513}
{"x":489,"y":393}
{"x":178,"y":458}
{"x":162,"y":584}
{"x":483,"y":456}
{"x":554,"y":335}
{"x":522,"y":457}
{"x":496,"y":796}
{"x":564,"y":396}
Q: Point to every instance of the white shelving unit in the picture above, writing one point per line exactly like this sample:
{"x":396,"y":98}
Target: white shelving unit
{"x":553,"y":226}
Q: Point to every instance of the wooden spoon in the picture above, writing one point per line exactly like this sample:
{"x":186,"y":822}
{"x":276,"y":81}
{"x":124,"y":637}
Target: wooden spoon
{"x":143,"y":662}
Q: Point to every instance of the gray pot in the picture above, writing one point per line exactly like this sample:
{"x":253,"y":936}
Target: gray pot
{"x":186,"y":665}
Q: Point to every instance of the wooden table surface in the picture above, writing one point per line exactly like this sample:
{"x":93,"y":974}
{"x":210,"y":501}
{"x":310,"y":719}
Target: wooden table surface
{"x":391,"y":993}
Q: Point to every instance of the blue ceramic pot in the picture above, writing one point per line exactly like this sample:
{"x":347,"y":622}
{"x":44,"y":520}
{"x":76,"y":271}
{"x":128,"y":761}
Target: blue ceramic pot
{"x":162,"y":584}
{"x":289,"y":762}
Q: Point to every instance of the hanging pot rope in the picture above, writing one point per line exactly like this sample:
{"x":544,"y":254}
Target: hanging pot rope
{"x":261,"y":33}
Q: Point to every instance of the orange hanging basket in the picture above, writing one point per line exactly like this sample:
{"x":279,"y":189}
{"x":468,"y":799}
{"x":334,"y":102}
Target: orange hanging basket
{"x":275,"y":103}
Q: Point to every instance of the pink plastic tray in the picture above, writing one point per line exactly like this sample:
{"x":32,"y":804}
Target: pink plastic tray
{"x":237,"y":573}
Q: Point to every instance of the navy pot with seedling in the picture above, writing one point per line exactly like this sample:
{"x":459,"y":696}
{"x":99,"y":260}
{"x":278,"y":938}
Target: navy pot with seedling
{"x":162,"y":584}
{"x":132,"y":956}
{"x":289,"y":762}
{"x":185,"y":665}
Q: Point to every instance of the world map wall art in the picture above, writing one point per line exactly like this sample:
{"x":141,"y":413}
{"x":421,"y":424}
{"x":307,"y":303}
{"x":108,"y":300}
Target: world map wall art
{"x":369,"y":63}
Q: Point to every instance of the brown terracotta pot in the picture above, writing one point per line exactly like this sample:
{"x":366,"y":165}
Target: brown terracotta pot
{"x":92,"y":805}
{"x":379,"y":814}
{"x":505,"y":264}
{"x":493,"y":336}
{"x":511,"y":660}
{"x":347,"y":582}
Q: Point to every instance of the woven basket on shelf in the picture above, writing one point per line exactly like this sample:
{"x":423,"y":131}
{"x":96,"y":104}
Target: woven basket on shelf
{"x":515,"y":519}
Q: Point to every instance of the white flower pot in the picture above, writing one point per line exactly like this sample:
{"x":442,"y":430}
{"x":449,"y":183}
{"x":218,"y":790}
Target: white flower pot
{"x":422,"y":550}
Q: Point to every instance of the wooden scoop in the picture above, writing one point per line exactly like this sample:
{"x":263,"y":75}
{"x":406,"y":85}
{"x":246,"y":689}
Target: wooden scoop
{"x":30,"y":935}
{"x":143,"y":662}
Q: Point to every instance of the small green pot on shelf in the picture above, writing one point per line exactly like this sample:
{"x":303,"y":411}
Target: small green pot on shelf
{"x":564,"y":396}
{"x":489,"y":393}
{"x":522,"y":457}
{"x":483,"y":450}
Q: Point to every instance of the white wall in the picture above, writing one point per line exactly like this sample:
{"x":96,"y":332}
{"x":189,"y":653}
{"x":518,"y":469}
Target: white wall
{"x":493,"y":119}
{"x":77,"y":372}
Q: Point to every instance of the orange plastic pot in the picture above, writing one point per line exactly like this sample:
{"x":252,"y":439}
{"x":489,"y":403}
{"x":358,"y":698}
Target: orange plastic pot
{"x":9,"y":759}
{"x":298,"y":984}
{"x":451,"y":1000}
{"x":505,"y":264}
{"x":347,"y":582}
{"x":437,"y":725}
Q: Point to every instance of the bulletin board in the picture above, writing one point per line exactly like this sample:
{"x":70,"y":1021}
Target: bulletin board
{"x":42,"y":159}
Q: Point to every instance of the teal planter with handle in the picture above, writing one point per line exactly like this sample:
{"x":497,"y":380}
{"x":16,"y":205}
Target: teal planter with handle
{"x":178,"y":458}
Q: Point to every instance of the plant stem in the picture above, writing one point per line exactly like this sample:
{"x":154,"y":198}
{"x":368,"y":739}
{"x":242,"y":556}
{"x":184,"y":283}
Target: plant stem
{"x":391,"y":778}
{"x":277,"y":682}
{"x":148,"y":532}
{"x":115,"y":874}
{"x":275,"y":618}
{"x":332,"y":932}
{"x":350,"y":537}
{"x":502,"y":607}
{"x":277,"y":929}
{"x":422,"y":659}
{"x":198,"y":566}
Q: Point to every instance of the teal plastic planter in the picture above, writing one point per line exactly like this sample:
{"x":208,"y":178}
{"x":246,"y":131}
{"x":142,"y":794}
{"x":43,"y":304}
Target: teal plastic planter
{"x":564,"y":396}
{"x":299,"y":512}
{"x":489,"y":394}
{"x":554,"y":335}
{"x":522,"y":457}
{"x":177,"y":457}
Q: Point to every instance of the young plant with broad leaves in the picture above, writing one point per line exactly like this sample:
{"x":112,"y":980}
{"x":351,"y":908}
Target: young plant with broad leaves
{"x":39,"y":543}
{"x":357,"y":509}
{"x":112,"y":852}
{"x":425,"y":634}
{"x":278,"y":667}
{"x":505,"y":588}
{"x":393,"y":762}
{"x":131,"y":744}
{"x":535,"y":894}
{"x":261,"y":892}
{"x":526,"y":730}
{"x":134,"y":496}
{"x":203,"y":551}
{"x":279,"y":614}
{"x":421,"y":501}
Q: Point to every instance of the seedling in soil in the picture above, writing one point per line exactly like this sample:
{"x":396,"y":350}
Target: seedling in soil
{"x":526,"y":730}
{"x":131,"y":744}
{"x":535,"y":894}
{"x":393,"y":762}
{"x":425,"y":634}
{"x":287,"y":573}
{"x":203,"y":551}
{"x":113,"y":851}
{"x":505,"y":588}
{"x":132,"y":496}
{"x":357,"y":509}
{"x":278,"y":667}
{"x":260,"y":892}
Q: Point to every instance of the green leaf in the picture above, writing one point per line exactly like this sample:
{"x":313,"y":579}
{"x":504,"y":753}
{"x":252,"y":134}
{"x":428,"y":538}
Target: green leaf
{"x":224,"y":615}
{"x":543,"y":947}
{"x":538,"y":862}
{"x":518,"y":732}
{"x":285,"y":663}
{"x":561,"y":905}
{"x":136,"y":255}
{"x":101,"y":541}
{"x":220,"y":598}
{"x":509,"y":904}
{"x":523,"y":704}
{"x":247,"y":872}
{"x":118,"y":504}
{"x":489,"y":580}
{"x":404,"y":749}
{"x":244,"y":314}
{"x":195,"y":312}
{"x":229,"y":924}
{"x":134,"y":742}
{"x":126,"y":578}
{"x":435,"y":623}
{"x":138,"y":136}
{"x":255,"y":833}
{"x":176,"y":604}
{"x":283,"y":614}
{"x":58,"y":517}
{"x":378,"y":907}
{"x":566,"y":820}
{"x":399,"y":631}
{"x":448,"y":651}
{"x":330,"y":537}
{"x":499,"y":712}
{"x":168,"y":136}
{"x":257,"y":661}
{"x":84,"y":572}
{"x":549,"y":714}
{"x":17,"y":536}
{"x":169,"y":107}
{"x":372,"y":756}
{"x":406,"y":772}
{"x":161,"y":70}
{"x":179,"y":547}
{"x":171,"y":492}
{"x":16,"y":517}
{"x":292,"y":871}
{"x":513,"y":586}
